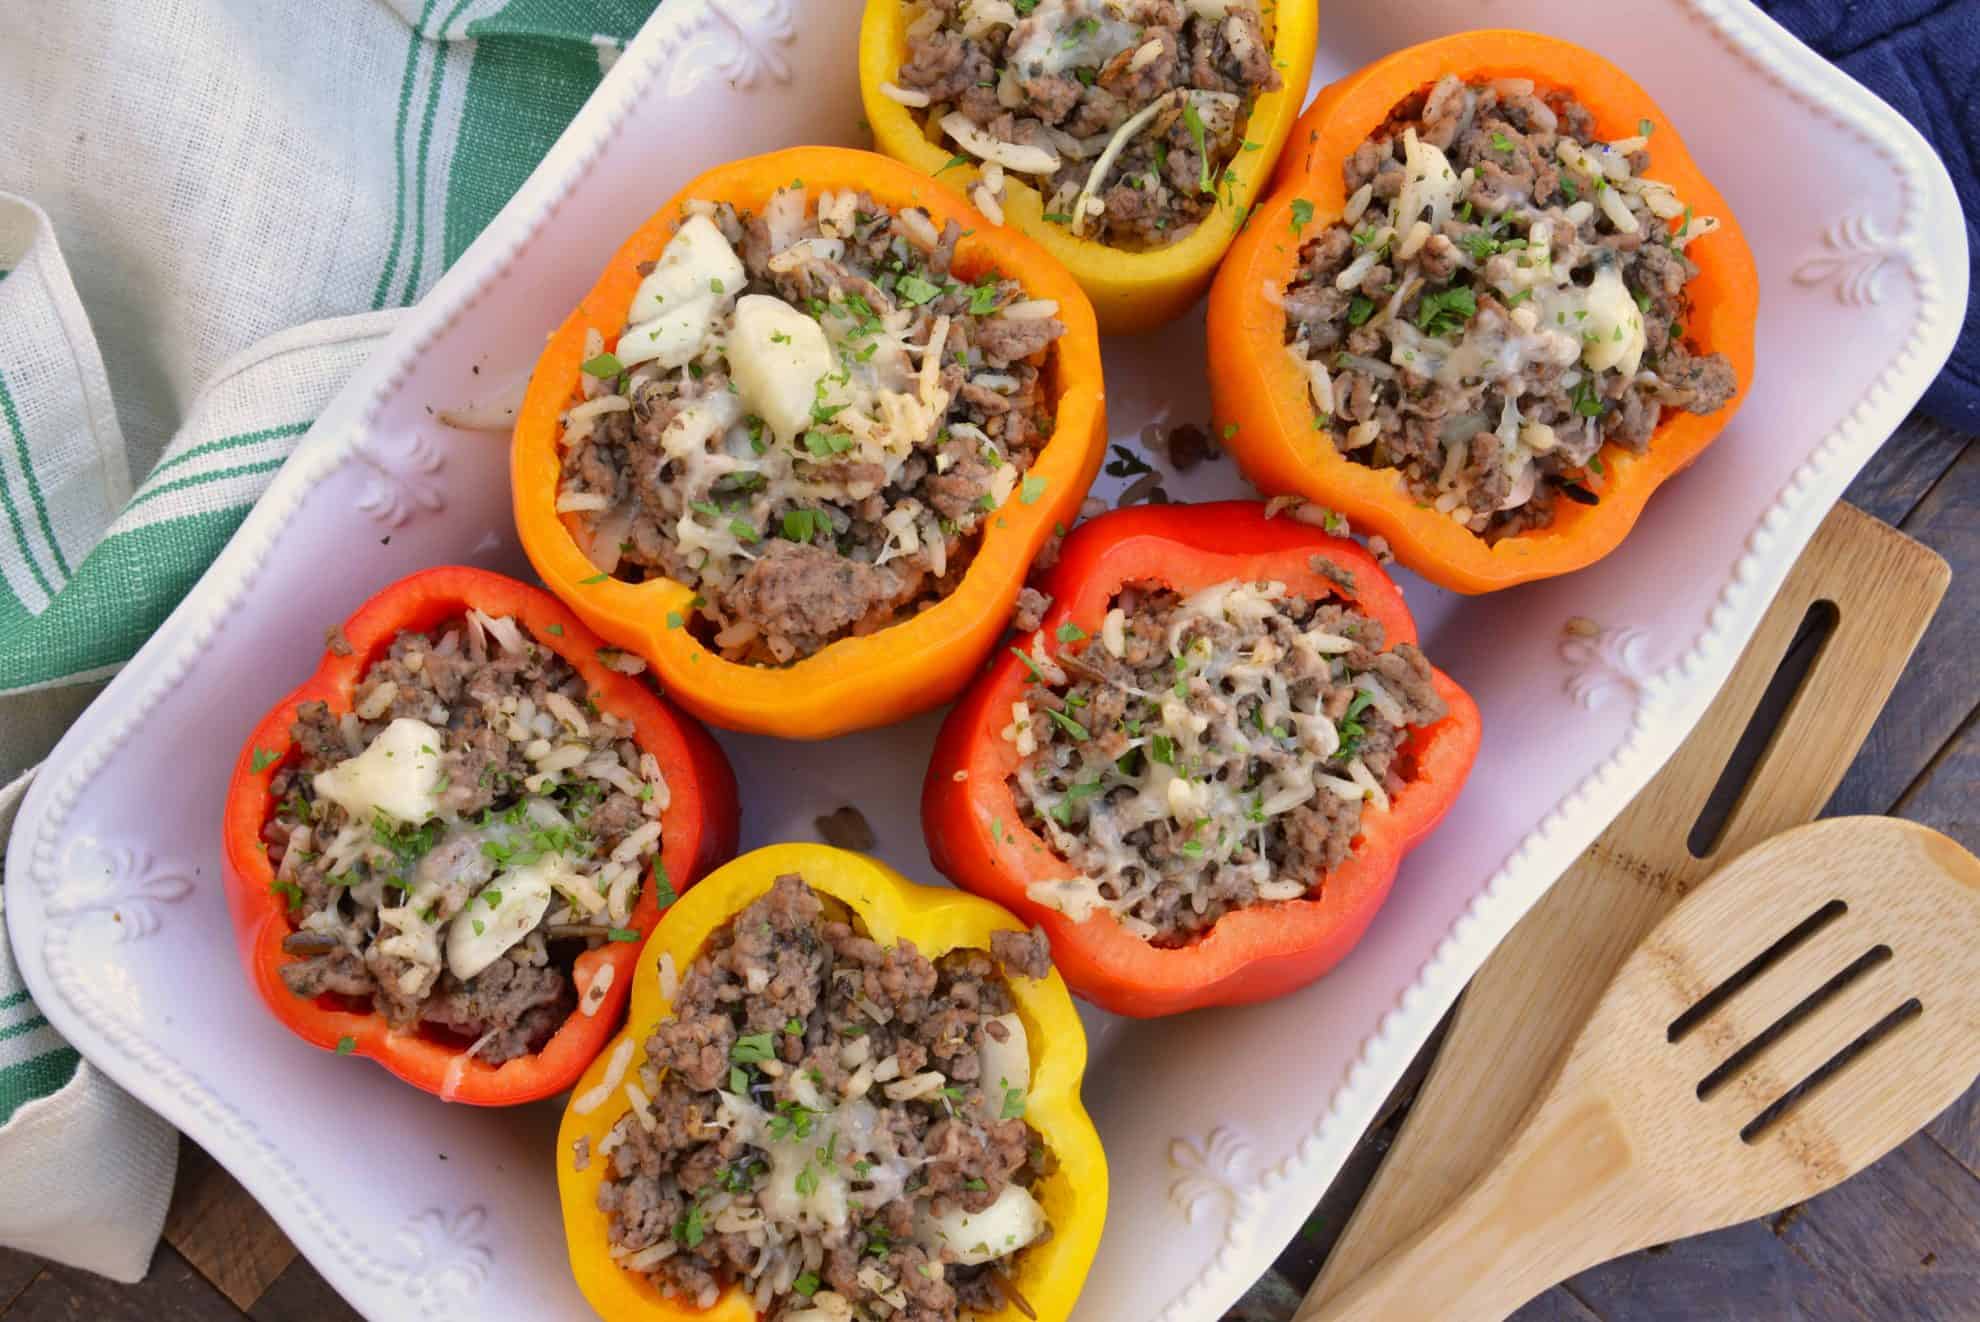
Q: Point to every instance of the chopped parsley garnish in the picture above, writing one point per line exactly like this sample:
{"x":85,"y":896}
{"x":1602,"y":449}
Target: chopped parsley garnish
{"x":800,"y":525}
{"x":1196,"y":133}
{"x":623,"y":934}
{"x":752,"y":1048}
{"x":807,"y":1283}
{"x":346,"y":1045}
{"x":1067,"y":723}
{"x":261,"y":760}
{"x":689,"y":1230}
{"x":1013,"y":1108}
{"x":957,"y":159}
{"x":1070,"y":632}
{"x":1446,"y":311}
{"x":825,"y":444}
{"x":1360,"y":309}
{"x":1586,"y":401}
{"x":605,"y":364}
{"x":1302,"y":214}
{"x":1031,"y":489}
{"x":914,"y":290}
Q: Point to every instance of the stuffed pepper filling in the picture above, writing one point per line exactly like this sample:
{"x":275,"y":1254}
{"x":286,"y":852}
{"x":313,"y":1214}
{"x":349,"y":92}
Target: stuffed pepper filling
{"x":1123,"y":114}
{"x":807,"y":418}
{"x":1212,"y":751}
{"x":449,"y":845}
{"x":832,"y":1125}
{"x":1502,"y":295}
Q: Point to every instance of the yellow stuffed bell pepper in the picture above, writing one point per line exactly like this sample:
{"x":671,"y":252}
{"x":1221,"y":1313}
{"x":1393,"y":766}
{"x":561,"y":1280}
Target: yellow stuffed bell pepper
{"x":1132,"y":290}
{"x":1047,"y":1276}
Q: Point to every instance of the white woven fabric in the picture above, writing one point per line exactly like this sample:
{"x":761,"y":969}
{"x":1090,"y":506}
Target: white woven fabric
{"x":210,"y":210}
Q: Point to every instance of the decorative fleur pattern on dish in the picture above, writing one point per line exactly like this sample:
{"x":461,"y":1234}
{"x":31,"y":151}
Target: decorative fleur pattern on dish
{"x":402,"y":481}
{"x":1209,"y":1174}
{"x":738,"y":42}
{"x":1604,"y":664}
{"x":445,"y":1259}
{"x":128,"y":885}
{"x":1854,"y":259}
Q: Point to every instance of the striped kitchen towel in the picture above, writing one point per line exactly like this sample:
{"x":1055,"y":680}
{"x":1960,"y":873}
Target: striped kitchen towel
{"x":210,"y":212}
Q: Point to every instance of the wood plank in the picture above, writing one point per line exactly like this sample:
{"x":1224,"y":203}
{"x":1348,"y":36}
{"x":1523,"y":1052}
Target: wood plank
{"x":1938,"y":691}
{"x":1902,"y":1240}
{"x":1905,"y":468}
{"x":17,"y":1272}
{"x":222,"y":1231}
{"x":1531,"y":995}
{"x":300,"y":1294}
{"x":170,"y":1292}
{"x":1738,"y":1274}
{"x":1944,"y":798}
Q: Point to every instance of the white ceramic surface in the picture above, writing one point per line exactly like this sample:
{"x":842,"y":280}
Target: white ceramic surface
{"x":1221,"y":1128}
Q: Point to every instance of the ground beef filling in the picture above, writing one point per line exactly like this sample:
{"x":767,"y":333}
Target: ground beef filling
{"x":807,"y":418}
{"x":1124,"y":114}
{"x":833,"y":1125}
{"x":1503,"y":295}
{"x":1211,"y":752}
{"x":450,"y":845}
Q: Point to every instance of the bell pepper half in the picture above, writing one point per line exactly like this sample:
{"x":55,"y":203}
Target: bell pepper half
{"x":977,"y":838}
{"x":937,"y":920}
{"x":1260,"y":397}
{"x":1131,"y":291}
{"x":698,"y":830}
{"x":857,"y":682}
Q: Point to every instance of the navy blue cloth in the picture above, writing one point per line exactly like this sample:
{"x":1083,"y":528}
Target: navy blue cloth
{"x":1923,"y":57}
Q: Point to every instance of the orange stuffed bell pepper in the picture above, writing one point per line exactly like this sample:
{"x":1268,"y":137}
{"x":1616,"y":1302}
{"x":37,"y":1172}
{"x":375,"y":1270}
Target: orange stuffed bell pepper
{"x":836,"y":1089}
{"x":443,"y":849}
{"x":799,"y":445}
{"x":1131,"y":140}
{"x":1491,"y":305}
{"x":1201,"y":772}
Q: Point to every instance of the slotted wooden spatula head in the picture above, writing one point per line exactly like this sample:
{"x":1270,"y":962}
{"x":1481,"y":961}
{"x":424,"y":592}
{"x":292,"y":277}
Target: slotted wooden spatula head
{"x":1806,"y":1009}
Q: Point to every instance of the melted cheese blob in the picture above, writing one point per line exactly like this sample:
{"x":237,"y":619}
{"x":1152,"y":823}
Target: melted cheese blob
{"x":482,"y":933}
{"x":777,"y":356}
{"x":696,"y":279}
{"x":1007,"y":1225}
{"x":398,"y":775}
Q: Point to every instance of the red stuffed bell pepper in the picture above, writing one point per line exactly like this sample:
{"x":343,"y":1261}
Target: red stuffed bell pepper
{"x":444,"y":849}
{"x":1202,"y":771}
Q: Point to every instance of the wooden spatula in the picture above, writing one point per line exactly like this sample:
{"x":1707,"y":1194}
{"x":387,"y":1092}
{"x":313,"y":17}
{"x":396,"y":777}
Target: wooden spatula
{"x":1806,"y":1009}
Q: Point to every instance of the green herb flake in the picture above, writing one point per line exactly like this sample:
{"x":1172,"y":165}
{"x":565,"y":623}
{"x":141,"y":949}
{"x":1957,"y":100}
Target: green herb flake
{"x":624,"y":935}
{"x":752,"y":1048}
{"x":346,"y":1045}
{"x":1031,"y":489}
{"x":1070,"y":633}
{"x":595,"y":578}
{"x":262,"y":760}
{"x":1197,"y":136}
{"x":1067,"y":723}
{"x":1446,"y":311}
{"x":1360,"y":309}
{"x":605,"y":364}
{"x":915,"y":290}
{"x":1013,"y":1108}
{"x":1302,"y":214}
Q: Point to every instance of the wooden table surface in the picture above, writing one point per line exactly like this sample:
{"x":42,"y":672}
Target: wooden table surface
{"x":1901,"y":1241}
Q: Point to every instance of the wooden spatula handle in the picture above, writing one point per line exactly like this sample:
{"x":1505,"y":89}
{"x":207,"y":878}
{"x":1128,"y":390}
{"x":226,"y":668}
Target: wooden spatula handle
{"x":1550,"y":1208}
